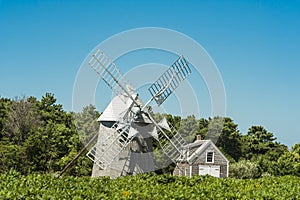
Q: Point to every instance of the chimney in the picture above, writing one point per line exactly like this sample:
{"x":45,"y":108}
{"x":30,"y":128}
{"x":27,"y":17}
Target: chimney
{"x":198,"y":137}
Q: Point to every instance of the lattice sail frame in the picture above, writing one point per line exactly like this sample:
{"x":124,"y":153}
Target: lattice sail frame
{"x":170,"y":80}
{"x":111,"y":75}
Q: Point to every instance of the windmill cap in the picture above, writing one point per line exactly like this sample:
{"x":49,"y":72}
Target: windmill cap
{"x":117,"y":108}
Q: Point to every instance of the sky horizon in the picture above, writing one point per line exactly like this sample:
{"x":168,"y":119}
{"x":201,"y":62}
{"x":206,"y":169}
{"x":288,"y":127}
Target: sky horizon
{"x":254,"y":44}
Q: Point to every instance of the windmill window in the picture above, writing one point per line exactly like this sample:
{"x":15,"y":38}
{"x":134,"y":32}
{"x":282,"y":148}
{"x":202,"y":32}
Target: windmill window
{"x":209,"y":157}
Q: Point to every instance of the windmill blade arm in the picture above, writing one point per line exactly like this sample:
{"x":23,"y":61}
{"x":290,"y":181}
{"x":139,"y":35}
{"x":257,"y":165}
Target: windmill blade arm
{"x":104,"y":153}
{"x":110,"y":74}
{"x":174,"y":141}
{"x":169,"y":80}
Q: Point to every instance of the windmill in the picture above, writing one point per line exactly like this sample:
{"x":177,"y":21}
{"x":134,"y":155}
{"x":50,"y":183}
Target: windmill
{"x":124,"y":141}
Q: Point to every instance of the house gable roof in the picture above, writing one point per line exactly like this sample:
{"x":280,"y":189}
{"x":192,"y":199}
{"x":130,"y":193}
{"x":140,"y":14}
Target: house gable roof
{"x":198,"y":147}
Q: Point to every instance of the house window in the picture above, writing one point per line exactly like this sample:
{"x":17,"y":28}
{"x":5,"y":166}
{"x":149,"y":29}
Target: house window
{"x":209,"y":157}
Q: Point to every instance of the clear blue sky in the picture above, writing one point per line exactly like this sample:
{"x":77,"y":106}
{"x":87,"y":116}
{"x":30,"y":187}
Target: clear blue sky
{"x":255,"y":45}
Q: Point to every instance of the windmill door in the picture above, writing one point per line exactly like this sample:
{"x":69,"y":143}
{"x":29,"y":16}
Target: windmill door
{"x":213,"y":170}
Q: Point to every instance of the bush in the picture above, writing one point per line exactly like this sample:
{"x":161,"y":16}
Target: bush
{"x":244,"y":169}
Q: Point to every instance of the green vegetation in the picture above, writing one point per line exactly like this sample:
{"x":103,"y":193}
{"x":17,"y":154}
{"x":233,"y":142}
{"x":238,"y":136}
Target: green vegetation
{"x":39,"y":136}
{"x":146,"y":186}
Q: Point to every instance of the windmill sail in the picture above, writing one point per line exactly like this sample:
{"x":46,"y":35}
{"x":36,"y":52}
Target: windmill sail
{"x":170,"y":80}
{"x":104,"y":153}
{"x":169,"y":139}
{"x":171,"y":146}
{"x":111,"y":75}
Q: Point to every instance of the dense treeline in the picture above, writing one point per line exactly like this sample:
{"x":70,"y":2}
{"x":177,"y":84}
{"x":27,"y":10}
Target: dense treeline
{"x":39,"y":136}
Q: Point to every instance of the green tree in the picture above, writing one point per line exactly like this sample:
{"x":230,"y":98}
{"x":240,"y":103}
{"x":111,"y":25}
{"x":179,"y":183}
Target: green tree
{"x":259,"y":141}
{"x":224,"y":132}
{"x":289,"y":162}
{"x":86,"y":123}
{"x":4,"y":110}
{"x":203,"y":127}
{"x":189,"y":128}
{"x":87,"y":126}
{"x":51,"y":111}
{"x":13,"y":157}
{"x":230,"y":139}
{"x":296,"y":158}
{"x":261,"y":147}
{"x":296,"y":148}
{"x":41,"y":136}
{"x":18,"y":119}
{"x":22,"y":119}
{"x":53,"y":138}
{"x":48,"y":145}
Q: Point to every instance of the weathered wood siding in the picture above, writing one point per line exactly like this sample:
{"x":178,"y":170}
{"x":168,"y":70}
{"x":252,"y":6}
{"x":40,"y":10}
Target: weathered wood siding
{"x":182,"y":166}
{"x":201,"y":160}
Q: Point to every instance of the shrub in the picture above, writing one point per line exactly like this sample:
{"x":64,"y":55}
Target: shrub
{"x":244,"y":169}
